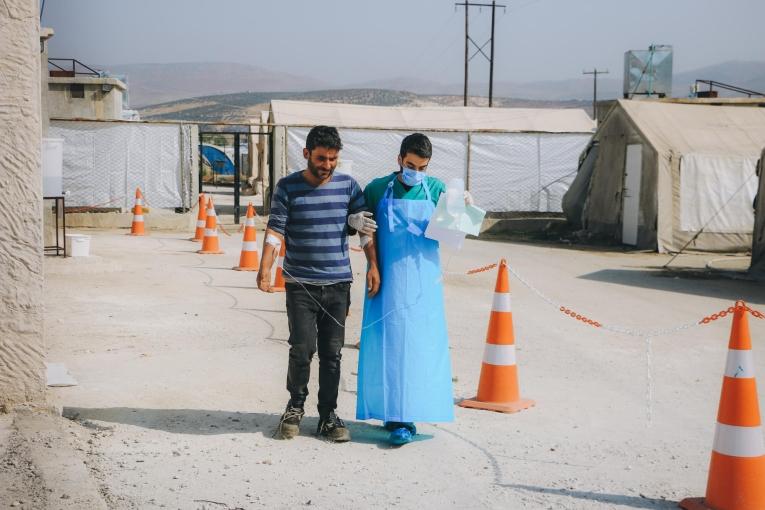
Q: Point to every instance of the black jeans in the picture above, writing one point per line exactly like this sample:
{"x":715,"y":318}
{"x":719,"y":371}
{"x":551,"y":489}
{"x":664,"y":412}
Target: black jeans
{"x":310,"y":327}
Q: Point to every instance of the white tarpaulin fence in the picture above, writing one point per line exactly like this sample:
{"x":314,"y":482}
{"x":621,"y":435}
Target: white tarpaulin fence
{"x":717,"y":192}
{"x":104,"y":162}
{"x":504,"y":172}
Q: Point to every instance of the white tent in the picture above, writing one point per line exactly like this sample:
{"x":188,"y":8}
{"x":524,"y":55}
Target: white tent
{"x":667,"y":175}
{"x":104,"y":162}
{"x":757,"y":268}
{"x":512,"y":159}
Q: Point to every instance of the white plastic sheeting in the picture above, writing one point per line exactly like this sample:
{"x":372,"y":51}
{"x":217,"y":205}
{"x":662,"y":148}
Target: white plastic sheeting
{"x":374,"y":153}
{"x":508,"y":171}
{"x":717,"y":192}
{"x":523,"y":171}
{"x":104,"y":162}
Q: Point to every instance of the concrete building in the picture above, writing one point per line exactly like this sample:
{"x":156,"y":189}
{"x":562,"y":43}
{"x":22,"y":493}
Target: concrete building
{"x":21,"y":242}
{"x":76,"y":95}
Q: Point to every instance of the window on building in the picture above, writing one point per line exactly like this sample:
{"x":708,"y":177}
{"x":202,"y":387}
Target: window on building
{"x":77,"y":90}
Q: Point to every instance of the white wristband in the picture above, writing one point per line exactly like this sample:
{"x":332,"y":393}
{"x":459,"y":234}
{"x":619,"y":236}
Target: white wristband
{"x":273,"y":240}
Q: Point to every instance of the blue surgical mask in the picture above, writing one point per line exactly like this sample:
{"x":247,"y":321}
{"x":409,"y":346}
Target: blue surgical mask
{"x":412,"y":177}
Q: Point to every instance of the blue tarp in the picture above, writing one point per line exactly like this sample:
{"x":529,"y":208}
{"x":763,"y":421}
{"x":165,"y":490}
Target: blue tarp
{"x":218,"y":161}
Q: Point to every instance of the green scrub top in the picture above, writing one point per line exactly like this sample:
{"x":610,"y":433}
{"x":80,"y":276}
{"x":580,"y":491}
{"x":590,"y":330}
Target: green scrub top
{"x":375,"y":190}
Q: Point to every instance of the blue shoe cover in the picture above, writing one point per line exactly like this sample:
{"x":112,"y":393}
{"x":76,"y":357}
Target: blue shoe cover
{"x":390,"y":426}
{"x":400,"y":436}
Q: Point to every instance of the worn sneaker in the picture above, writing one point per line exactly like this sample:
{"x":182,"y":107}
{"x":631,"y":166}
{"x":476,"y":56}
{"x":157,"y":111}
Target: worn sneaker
{"x":289,"y":424}
{"x":333,"y":429}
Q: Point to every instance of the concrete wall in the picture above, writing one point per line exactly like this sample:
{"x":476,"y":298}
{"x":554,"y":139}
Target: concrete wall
{"x":45,"y":35}
{"x":97,"y":104}
{"x":21,"y":259}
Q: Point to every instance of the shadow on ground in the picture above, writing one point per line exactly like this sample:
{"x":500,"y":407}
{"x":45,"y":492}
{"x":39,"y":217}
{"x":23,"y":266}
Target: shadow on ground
{"x":611,"y":499}
{"x":375,"y":434}
{"x":179,"y":421}
{"x":694,"y":282}
{"x":207,"y":422}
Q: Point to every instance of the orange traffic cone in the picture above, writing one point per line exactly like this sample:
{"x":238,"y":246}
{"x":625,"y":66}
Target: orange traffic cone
{"x":498,"y":385}
{"x":249,"y":259}
{"x":199,"y":234}
{"x":136,"y":229}
{"x":737,"y":468}
{"x":279,"y":285}
{"x":210,"y":241}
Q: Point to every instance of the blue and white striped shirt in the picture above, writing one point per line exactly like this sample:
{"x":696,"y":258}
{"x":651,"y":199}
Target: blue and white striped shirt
{"x":313,"y":221}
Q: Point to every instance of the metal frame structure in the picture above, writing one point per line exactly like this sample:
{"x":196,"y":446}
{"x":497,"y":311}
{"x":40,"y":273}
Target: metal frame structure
{"x":72,"y":71}
{"x":237,"y":166}
{"x":732,"y":88}
{"x":59,"y":247}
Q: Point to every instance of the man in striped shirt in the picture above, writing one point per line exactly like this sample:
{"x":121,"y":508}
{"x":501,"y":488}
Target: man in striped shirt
{"x":311,"y":212}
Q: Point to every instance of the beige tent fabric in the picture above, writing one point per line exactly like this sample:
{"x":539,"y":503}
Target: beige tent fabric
{"x":667,"y":132}
{"x":301,"y":113}
{"x":683,"y":128}
{"x":757,"y":269}
{"x":677,"y":129}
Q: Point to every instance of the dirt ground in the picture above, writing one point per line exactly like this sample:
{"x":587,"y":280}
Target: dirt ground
{"x":181,"y":365}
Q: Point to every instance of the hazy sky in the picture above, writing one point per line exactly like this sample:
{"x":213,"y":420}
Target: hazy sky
{"x":347,"y":41}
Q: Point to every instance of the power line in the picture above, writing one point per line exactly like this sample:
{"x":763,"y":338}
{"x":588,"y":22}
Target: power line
{"x":595,"y":74}
{"x":468,"y":40}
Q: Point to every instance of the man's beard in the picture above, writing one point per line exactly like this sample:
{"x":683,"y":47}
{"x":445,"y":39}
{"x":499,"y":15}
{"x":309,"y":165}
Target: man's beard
{"x":315,"y":171}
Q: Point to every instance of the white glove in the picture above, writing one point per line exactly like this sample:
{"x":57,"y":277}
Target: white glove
{"x":363,"y":222}
{"x":468,"y":198}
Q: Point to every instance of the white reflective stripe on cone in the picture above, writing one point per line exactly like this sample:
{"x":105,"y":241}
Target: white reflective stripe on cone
{"x":211,"y":232}
{"x":249,"y":222}
{"x":739,"y":364}
{"x":138,"y":218}
{"x":501,"y":302}
{"x":139,"y":201}
{"x":495,"y":354}
{"x":249,"y":246}
{"x":211,"y":212}
{"x":280,"y":263}
{"x":201,"y":223}
{"x":738,"y":441}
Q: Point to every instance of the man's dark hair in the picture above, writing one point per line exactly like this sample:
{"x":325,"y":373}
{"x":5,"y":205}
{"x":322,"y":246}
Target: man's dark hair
{"x":323,"y":136}
{"x":417,"y":144}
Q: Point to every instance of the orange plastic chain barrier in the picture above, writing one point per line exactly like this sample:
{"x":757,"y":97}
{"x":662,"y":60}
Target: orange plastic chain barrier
{"x":481,"y":269}
{"x":732,"y":309}
{"x":706,"y":320}
{"x":579,"y":317}
{"x":224,"y":230}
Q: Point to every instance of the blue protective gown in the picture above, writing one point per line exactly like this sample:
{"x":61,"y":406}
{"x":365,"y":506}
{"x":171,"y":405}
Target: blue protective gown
{"x":404,"y":366}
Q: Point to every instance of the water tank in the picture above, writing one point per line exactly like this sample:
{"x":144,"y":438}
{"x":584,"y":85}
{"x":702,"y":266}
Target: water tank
{"x":648,"y":72}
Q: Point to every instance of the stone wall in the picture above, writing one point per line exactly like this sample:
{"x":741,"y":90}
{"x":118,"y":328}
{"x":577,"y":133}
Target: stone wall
{"x":21,"y":258}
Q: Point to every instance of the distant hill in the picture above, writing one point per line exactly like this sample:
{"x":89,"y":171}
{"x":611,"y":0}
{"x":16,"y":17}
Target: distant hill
{"x":243,"y":107}
{"x":248,"y":105}
{"x":749,"y":75}
{"x":159,"y":83}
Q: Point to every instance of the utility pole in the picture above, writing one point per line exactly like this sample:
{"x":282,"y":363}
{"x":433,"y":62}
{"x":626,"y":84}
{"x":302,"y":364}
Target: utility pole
{"x":467,"y":46}
{"x":479,"y":49}
{"x":595,"y":72}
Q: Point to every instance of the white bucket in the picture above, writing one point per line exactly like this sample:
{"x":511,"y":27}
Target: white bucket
{"x":77,"y":245}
